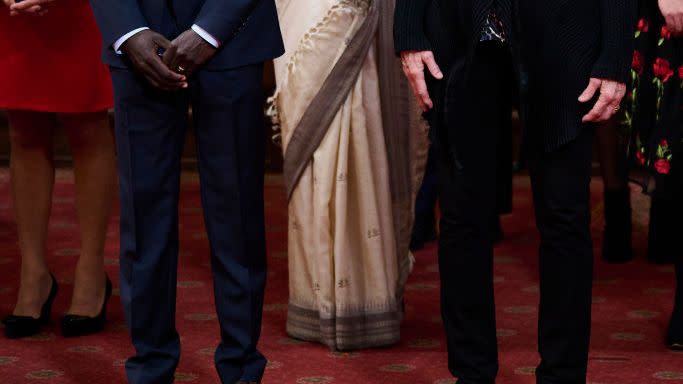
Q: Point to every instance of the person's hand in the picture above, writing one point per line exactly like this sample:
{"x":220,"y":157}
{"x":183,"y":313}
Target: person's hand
{"x":672,"y":10}
{"x":29,"y":7}
{"x":608,"y":104}
{"x":414,"y":68}
{"x":188,"y":52}
{"x":142,"y":51}
{"x":8,"y":3}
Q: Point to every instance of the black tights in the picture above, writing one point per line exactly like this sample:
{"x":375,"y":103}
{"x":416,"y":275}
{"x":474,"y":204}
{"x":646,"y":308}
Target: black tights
{"x":665,"y":235}
{"x":666,"y":213}
{"x":613,"y":162}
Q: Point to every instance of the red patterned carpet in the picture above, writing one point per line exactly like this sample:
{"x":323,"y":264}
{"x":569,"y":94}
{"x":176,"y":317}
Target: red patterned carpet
{"x":631,"y":307}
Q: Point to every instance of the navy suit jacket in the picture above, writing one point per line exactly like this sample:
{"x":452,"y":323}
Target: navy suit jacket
{"x":248,"y":30}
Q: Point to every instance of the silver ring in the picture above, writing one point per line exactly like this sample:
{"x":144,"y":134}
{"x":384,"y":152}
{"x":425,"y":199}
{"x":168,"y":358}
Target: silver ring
{"x":180,"y":69}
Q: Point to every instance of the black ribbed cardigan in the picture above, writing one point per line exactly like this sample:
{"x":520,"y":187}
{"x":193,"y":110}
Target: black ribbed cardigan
{"x":558,"y":46}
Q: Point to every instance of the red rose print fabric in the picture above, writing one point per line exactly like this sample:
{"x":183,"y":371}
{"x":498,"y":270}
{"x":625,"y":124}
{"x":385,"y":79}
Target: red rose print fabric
{"x":652,"y":117}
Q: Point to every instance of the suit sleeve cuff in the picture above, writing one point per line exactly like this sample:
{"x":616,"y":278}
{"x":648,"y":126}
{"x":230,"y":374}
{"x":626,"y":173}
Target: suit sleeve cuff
{"x":206,"y":36}
{"x":118,"y":43}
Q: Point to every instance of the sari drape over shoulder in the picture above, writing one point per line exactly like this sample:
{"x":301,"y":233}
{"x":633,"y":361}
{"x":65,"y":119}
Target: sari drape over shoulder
{"x":354,"y":151}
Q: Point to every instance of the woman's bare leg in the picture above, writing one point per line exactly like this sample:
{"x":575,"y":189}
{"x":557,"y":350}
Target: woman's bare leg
{"x":32,"y":179}
{"x":92,"y":145}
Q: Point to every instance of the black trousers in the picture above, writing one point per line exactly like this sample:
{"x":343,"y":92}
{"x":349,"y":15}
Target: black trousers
{"x":561,"y":191}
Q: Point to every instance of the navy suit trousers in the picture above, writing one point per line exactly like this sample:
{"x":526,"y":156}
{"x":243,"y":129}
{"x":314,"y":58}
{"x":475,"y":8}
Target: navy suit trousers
{"x":150,"y":131}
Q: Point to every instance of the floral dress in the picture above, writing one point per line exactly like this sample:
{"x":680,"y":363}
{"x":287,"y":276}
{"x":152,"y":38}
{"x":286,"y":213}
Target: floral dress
{"x":653,"y":114}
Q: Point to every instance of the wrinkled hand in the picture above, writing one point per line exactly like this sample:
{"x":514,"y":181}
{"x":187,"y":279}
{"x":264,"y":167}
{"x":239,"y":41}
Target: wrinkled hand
{"x":608,"y":104}
{"x":141,"y":49}
{"x":414,"y":68}
{"x":29,"y":7}
{"x":672,"y":10}
{"x":188,"y":52}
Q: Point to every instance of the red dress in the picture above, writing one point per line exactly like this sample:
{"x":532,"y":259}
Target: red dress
{"x":52,"y":63}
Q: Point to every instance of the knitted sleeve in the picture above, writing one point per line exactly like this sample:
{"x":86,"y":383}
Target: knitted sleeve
{"x":618,"y":25}
{"x":409,"y":34}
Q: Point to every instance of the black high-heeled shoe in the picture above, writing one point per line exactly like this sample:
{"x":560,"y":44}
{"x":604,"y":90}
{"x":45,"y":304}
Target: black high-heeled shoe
{"x":24,"y":326}
{"x":76,"y":325}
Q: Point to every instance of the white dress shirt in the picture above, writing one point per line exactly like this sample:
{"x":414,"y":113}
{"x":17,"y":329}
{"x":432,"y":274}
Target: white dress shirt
{"x":199,"y":30}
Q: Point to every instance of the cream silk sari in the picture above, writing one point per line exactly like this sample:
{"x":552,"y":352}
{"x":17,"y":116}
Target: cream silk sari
{"x":354,"y":150}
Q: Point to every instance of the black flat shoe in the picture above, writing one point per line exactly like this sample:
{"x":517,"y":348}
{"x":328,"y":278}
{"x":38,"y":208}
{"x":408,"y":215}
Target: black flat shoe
{"x":24,"y":326}
{"x":675,"y":345}
{"x":76,"y":325}
{"x":674,"y":338}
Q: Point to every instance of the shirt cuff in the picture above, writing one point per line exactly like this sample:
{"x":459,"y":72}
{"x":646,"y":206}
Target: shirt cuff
{"x":124,"y":38}
{"x":206,"y":36}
